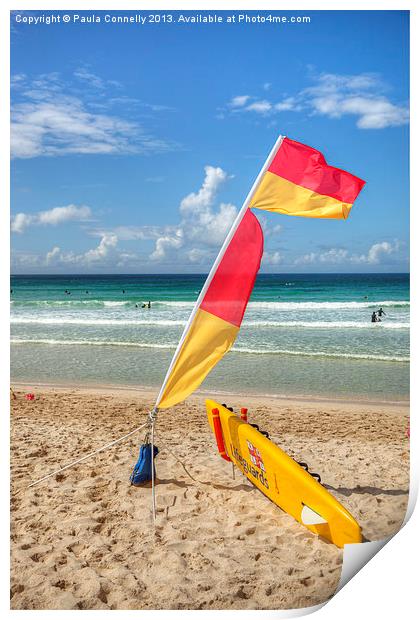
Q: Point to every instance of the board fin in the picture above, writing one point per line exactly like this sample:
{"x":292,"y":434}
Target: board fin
{"x":310,"y":517}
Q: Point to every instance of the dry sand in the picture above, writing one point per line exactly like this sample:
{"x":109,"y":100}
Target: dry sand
{"x":84,"y":539}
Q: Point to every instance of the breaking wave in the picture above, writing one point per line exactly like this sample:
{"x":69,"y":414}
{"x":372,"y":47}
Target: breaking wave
{"x":268,"y":305}
{"x":176,"y":323}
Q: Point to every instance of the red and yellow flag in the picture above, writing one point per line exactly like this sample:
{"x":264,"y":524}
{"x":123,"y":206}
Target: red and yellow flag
{"x":300,"y":182}
{"x":216,"y":322}
{"x":295,"y":180}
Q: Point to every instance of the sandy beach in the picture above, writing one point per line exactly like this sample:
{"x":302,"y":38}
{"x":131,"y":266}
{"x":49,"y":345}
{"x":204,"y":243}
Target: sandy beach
{"x":84,"y":539}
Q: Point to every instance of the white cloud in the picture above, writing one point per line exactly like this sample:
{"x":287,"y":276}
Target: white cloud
{"x":335,"y":256}
{"x":201,"y":223}
{"x":83,"y":74}
{"x":52,"y":217}
{"x":261,"y":107}
{"x":103,"y":254}
{"x":57,"y":215}
{"x":357,"y":95}
{"x":48,"y":120}
{"x":20,"y":221}
{"x":26,"y":260}
{"x":333,"y":95}
{"x":272,"y":258}
{"x":94,"y":80}
{"x":239,"y":101}
{"x":196,"y":201}
{"x":106,"y":245}
{"x":211,"y":226}
{"x":203,"y":226}
{"x":165,"y":245}
{"x":63,"y":127}
{"x":52,"y":255}
{"x":378,"y":250}
{"x":287,"y":105}
{"x":135,"y":233}
{"x":199,"y":256}
{"x":306,"y":259}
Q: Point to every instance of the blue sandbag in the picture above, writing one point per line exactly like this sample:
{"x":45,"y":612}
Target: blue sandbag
{"x":142,"y":471}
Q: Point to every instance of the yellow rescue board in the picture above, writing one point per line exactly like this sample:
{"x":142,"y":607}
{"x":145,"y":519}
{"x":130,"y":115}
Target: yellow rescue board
{"x":283,"y":480}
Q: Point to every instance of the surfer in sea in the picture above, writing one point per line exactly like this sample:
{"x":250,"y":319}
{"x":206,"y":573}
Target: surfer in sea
{"x":375,"y":318}
{"x":381,"y":312}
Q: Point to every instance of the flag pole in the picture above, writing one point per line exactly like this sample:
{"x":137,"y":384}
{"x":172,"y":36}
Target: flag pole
{"x":216,"y":263}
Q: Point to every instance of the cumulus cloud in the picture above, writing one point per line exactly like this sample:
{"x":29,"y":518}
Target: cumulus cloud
{"x":204,"y":222}
{"x":165,"y":244}
{"x":47,"y":119}
{"x":335,"y":256}
{"x":103,"y":254}
{"x":378,"y":250}
{"x":202,"y":227}
{"x":195,"y":240}
{"x":52,"y":217}
{"x":272,"y":258}
{"x":52,"y":255}
{"x":106,"y":245}
{"x":201,"y":222}
{"x":194,"y":202}
{"x":333,"y":95}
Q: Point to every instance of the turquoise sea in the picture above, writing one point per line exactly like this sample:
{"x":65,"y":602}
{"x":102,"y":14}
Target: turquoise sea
{"x":302,"y":335}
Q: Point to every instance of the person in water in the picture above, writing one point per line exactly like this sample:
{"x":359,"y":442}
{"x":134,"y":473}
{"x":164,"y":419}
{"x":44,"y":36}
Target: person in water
{"x":149,"y":305}
{"x":381,"y":312}
{"x":374,"y":318}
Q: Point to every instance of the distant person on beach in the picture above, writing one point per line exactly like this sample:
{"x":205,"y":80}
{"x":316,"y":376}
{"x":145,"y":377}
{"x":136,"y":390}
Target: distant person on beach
{"x":381,"y":312}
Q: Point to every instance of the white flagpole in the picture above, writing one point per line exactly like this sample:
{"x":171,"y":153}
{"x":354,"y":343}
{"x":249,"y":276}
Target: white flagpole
{"x":216,"y":263}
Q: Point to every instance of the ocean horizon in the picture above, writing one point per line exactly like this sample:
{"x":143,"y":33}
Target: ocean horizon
{"x":302,"y":334}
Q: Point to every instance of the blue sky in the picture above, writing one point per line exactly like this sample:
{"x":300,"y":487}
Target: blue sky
{"x":117,"y":129}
